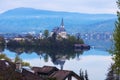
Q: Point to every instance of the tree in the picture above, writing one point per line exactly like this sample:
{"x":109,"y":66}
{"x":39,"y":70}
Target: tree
{"x":116,"y":41}
{"x":81,"y":74}
{"x":86,"y":75}
{"x":54,"y":35}
{"x":72,"y":38}
{"x":2,"y":41}
{"x":29,"y":36}
{"x":46,"y":33}
{"x":78,"y":36}
{"x":116,"y":37}
{"x":17,"y":58}
{"x":110,"y":74}
{"x":3,"y":56}
{"x":46,"y":58}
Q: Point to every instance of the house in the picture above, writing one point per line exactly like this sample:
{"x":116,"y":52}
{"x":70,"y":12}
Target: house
{"x":44,"y":71}
{"x":80,"y":47}
{"x":8,"y":72}
{"x":60,"y":31}
{"x":18,"y":38}
{"x":63,"y":75}
{"x":40,"y":35}
{"x":54,"y":73}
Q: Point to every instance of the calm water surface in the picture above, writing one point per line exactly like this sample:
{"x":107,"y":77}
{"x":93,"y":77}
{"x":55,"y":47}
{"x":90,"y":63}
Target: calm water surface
{"x":96,"y":62}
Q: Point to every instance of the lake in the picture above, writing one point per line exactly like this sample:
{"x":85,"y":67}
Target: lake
{"x":95,"y":61}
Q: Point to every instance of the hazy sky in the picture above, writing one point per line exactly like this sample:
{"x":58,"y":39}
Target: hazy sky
{"x":83,"y":6}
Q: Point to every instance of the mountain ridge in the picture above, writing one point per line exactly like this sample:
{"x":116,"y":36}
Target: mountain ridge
{"x":21,"y":9}
{"x":29,"y":19}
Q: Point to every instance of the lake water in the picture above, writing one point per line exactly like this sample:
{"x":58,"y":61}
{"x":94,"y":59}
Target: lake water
{"x":95,"y":61}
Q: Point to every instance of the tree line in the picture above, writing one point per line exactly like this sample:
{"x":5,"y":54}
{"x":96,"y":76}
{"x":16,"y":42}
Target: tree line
{"x":47,"y":41}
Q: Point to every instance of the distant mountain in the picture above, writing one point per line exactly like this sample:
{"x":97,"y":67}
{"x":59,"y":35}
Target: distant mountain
{"x":29,"y":19}
{"x":107,"y":25}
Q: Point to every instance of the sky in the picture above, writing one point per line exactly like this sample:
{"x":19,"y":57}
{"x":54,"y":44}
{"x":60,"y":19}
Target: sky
{"x":81,"y":6}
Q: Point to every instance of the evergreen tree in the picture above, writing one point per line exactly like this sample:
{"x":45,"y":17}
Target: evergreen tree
{"x":54,"y":35}
{"x":110,"y":74}
{"x":86,"y":75}
{"x":17,"y":58}
{"x":115,"y":71}
{"x":81,"y":74}
{"x":116,"y":38}
{"x":2,"y":41}
{"x":46,"y":33}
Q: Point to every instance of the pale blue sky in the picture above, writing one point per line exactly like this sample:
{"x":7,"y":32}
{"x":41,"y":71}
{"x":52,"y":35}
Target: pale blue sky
{"x":83,"y":6}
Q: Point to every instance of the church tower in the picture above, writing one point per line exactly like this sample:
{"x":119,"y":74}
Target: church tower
{"x":62,"y":23}
{"x":60,"y":31}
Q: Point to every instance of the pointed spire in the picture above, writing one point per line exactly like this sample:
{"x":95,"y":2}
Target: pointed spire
{"x":62,"y":23}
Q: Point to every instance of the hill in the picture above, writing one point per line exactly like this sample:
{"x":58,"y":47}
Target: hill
{"x":29,"y":19}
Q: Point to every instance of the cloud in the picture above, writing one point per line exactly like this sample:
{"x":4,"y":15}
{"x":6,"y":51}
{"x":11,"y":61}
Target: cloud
{"x":84,"y":6}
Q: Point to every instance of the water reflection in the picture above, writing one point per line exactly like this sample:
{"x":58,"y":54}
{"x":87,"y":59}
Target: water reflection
{"x":58,"y":57}
{"x":2,"y":48}
{"x":96,"y":65}
{"x":94,"y":61}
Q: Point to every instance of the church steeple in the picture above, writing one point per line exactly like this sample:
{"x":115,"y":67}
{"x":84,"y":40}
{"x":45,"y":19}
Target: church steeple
{"x":62,"y":23}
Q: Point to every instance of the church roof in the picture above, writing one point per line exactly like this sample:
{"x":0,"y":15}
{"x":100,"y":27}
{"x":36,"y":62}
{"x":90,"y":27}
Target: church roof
{"x":59,"y":29}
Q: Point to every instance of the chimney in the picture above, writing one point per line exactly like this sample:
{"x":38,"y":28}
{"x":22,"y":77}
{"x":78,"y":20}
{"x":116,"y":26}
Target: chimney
{"x":19,"y":66}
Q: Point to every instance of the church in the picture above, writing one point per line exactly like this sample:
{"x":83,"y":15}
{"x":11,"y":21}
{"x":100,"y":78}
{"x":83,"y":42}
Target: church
{"x":60,"y":31}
